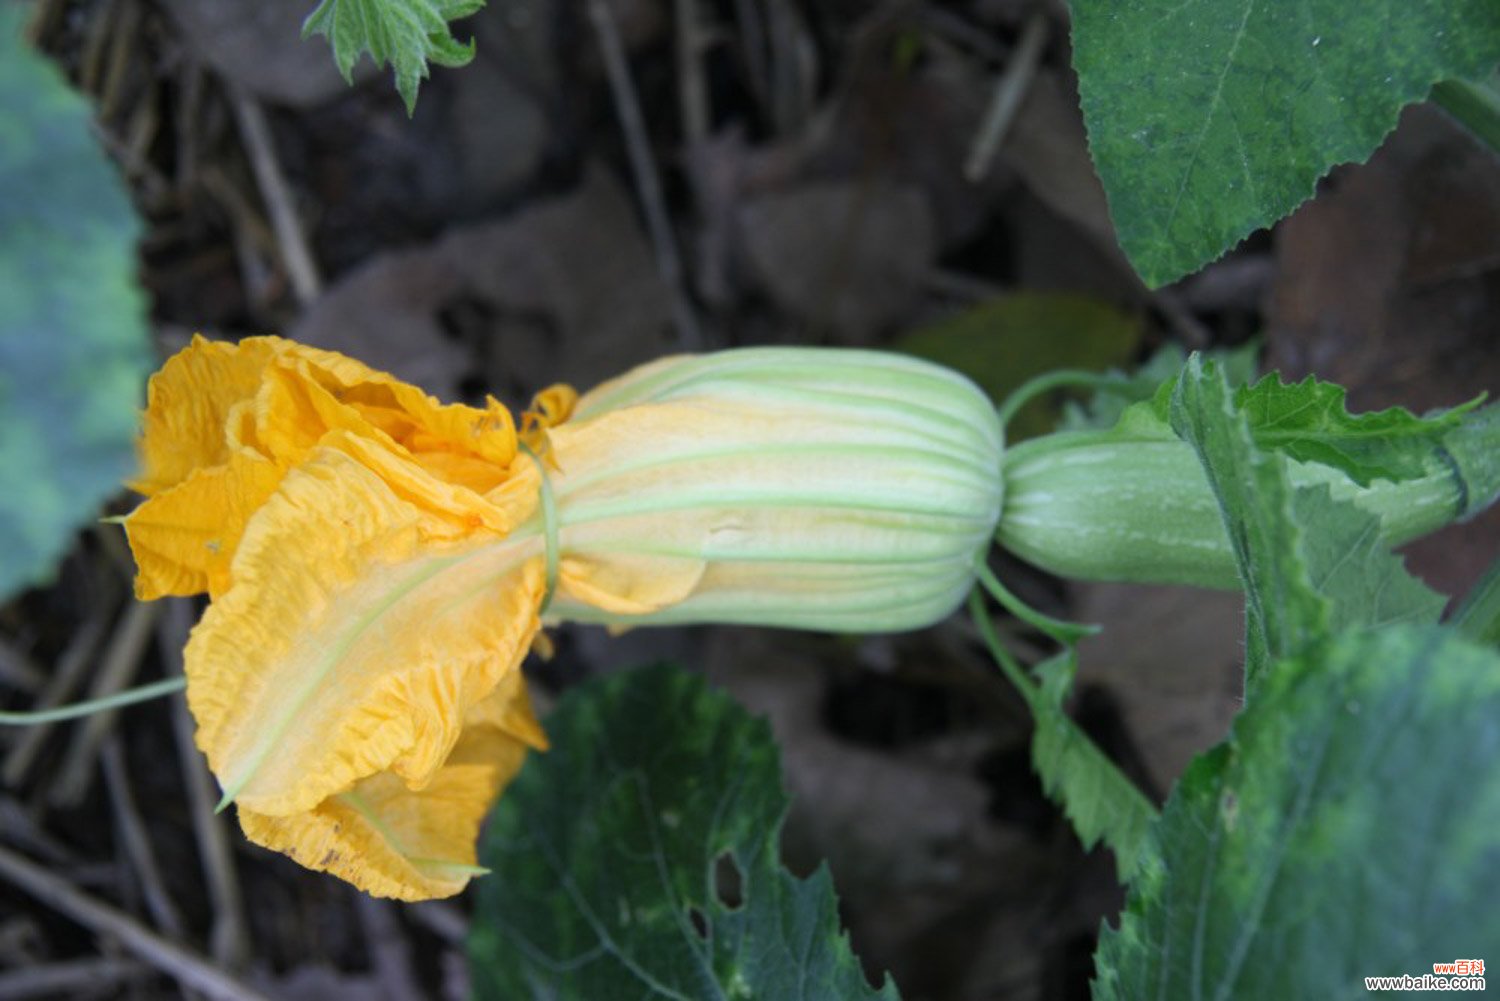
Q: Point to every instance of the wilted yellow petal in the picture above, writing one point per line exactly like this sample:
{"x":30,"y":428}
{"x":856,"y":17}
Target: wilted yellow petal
{"x":293,"y":413}
{"x":188,"y":403}
{"x":630,"y":583}
{"x":298,"y":405}
{"x":356,"y":636}
{"x":216,"y":407}
{"x":185,"y":537}
{"x":392,"y":841}
{"x":413,"y":419}
{"x":461,"y":509}
{"x":549,"y":408}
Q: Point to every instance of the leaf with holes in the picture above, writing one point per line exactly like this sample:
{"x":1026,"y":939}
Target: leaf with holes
{"x":1210,"y":118}
{"x":73,"y":345}
{"x":1349,"y":827}
{"x":640,"y":858}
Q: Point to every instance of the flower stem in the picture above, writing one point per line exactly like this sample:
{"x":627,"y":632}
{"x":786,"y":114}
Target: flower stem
{"x":1046,"y":383}
{"x":128,"y":697}
{"x":1009,"y":666}
{"x":1066,"y":633}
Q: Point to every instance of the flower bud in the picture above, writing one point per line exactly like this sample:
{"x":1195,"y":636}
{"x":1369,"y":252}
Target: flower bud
{"x":820,"y":489}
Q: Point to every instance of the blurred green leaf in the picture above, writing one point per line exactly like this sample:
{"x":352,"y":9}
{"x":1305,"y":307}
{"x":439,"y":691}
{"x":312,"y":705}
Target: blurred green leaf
{"x":1002,"y":343}
{"x":640,"y":858}
{"x":73,"y":345}
{"x":405,"y":34}
{"x":1210,"y":118}
{"x":1349,"y":827}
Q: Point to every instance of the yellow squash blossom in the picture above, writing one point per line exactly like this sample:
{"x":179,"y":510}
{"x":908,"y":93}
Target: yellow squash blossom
{"x":378,"y":562}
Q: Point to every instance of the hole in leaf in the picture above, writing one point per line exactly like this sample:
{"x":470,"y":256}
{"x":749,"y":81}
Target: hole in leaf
{"x":700,"y":923}
{"x":729,"y":883}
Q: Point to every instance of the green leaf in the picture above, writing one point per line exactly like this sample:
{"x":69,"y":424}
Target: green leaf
{"x":73,"y":345}
{"x":1478,"y":617}
{"x":610,"y":854}
{"x":1098,"y":799}
{"x":1353,"y":568}
{"x":1474,"y":103}
{"x":1105,"y":408}
{"x":1349,"y":827}
{"x":1210,"y":118}
{"x":1471,"y":454}
{"x":406,"y":34}
{"x":1283,"y":612}
{"x":1310,"y":562}
{"x":1003,"y":343}
{"x":1307,"y":420}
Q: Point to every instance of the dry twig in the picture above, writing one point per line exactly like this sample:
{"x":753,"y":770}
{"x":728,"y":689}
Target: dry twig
{"x":1009,"y":90}
{"x":21,"y":830}
{"x":72,"y":978}
{"x":189,"y":969}
{"x":136,"y":842}
{"x":76,"y":657}
{"x":960,"y":32}
{"x":450,"y":924}
{"x":643,"y":170}
{"x":442,"y":919}
{"x":295,"y":252}
{"x":250,"y":234}
{"x":95,"y":39}
{"x":121,"y":660}
{"x":43,"y":13}
{"x":17,"y":669}
{"x":390,"y":952}
{"x":1193,"y":331}
{"x":752,"y":36}
{"x":122,"y":48}
{"x":690,"y":88}
{"x":792,"y":67}
{"x":228,"y":940}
